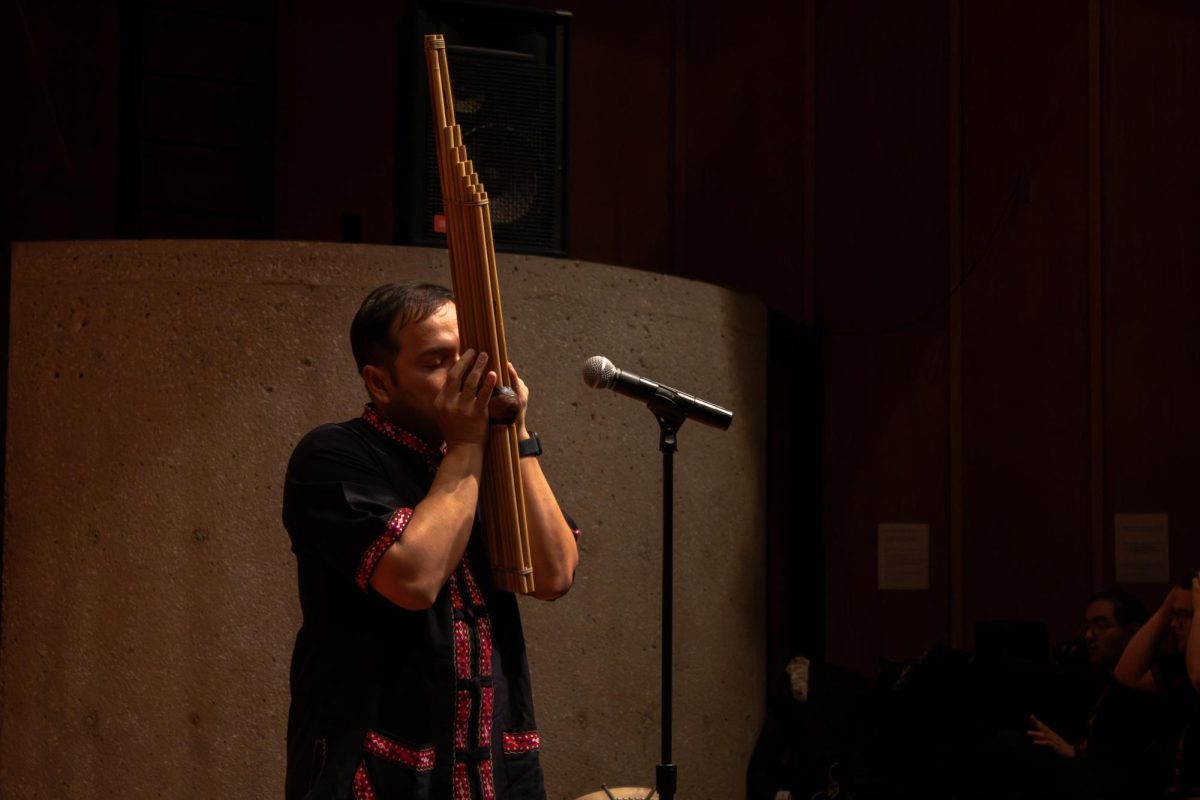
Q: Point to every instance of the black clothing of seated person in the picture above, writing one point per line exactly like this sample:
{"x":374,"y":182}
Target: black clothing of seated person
{"x":807,"y":733}
{"x":1096,"y":749}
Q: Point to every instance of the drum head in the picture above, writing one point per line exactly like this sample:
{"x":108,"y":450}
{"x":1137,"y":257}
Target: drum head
{"x":621,"y":793}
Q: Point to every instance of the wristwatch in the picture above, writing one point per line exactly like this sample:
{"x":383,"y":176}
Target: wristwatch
{"x":531,"y":446}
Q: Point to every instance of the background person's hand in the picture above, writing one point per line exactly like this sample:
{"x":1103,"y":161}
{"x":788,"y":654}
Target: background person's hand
{"x":1042,"y":736}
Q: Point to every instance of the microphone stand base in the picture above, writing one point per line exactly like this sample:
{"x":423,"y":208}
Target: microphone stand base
{"x":664,"y":780}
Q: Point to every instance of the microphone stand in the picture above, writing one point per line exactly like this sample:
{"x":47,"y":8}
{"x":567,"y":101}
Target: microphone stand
{"x":670,"y":419}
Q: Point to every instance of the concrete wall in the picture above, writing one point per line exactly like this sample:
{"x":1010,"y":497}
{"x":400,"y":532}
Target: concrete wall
{"x":156,"y":391}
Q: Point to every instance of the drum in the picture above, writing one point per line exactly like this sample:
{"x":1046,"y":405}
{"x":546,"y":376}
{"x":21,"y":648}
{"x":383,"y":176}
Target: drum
{"x":622,"y":793}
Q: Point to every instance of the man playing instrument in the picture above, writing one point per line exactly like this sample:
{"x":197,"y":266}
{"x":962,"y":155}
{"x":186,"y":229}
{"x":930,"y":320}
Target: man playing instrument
{"x":409,"y":677}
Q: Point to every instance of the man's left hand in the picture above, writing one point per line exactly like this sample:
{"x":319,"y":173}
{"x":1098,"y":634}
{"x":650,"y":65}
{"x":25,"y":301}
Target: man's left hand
{"x":522,"y":391}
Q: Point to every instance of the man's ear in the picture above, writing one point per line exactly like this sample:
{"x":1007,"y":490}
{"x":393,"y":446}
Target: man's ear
{"x":377,"y":383}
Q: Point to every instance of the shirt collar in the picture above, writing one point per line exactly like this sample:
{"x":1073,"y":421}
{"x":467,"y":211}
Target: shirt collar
{"x":432,"y":456}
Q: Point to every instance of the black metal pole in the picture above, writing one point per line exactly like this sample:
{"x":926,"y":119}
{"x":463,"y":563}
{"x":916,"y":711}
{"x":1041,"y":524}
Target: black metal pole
{"x":669,"y":421}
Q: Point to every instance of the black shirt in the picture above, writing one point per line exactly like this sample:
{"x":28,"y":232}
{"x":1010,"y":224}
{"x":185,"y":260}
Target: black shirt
{"x":386,"y":702}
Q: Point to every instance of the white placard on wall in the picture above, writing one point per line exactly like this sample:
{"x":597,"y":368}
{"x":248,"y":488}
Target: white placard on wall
{"x":903,"y":556}
{"x":1141,"y":548}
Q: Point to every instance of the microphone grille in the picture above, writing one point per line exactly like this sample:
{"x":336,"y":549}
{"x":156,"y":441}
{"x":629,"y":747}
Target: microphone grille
{"x":599,"y":372}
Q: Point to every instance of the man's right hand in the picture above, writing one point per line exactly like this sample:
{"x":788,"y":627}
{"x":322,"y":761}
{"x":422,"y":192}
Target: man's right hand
{"x":462,"y":404}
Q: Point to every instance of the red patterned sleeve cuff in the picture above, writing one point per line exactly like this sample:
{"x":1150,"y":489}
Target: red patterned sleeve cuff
{"x":370,"y":560}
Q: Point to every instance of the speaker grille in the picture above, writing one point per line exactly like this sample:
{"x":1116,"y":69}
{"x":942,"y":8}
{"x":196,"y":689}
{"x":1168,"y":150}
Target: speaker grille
{"x":507,"y":113}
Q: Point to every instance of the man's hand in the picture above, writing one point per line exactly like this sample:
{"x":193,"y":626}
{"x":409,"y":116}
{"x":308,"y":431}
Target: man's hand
{"x":1042,"y":736}
{"x":461,"y":405}
{"x":551,"y":541}
{"x":518,"y":385}
{"x":1166,"y":607}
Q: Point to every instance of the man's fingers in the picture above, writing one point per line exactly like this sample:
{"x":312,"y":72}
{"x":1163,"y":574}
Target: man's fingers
{"x":517,"y":384}
{"x":485,"y":389}
{"x":460,"y":367}
{"x":473,"y":382}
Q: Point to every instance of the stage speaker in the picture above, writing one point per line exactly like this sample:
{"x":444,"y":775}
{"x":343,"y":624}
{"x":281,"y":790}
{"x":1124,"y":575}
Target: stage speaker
{"x":508,"y":71}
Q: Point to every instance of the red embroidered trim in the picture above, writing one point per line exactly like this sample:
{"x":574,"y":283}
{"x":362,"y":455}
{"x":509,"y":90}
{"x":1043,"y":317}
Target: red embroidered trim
{"x":483,"y":626}
{"x":419,"y":759}
{"x":485,"y":780}
{"x":463,"y":719}
{"x":472,"y":586}
{"x":455,"y":593}
{"x":397,"y":434}
{"x":462,"y":785}
{"x":486,"y":700}
{"x":370,"y":559}
{"x":363,"y":790}
{"x":523,"y":742}
{"x":464,"y":590}
{"x":462,"y":649}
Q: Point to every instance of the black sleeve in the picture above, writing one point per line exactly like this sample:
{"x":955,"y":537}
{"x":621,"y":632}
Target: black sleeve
{"x":571,"y":524}
{"x":338,"y":504}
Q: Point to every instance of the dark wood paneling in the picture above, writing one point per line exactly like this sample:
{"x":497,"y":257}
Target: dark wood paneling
{"x":58,"y":80}
{"x":885,"y":461}
{"x":217,"y":180}
{"x":620,"y":144}
{"x":211,"y":44}
{"x":1025,"y":316}
{"x":336,"y":119}
{"x":881,"y":262}
{"x":218,"y":114}
{"x":881,"y":163}
{"x":1151,"y":280}
{"x":743,"y":152}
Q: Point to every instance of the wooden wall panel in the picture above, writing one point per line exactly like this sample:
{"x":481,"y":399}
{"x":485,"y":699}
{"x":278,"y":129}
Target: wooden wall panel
{"x":620,"y":140}
{"x":885,"y":461}
{"x":58,"y":145}
{"x":881,"y":164}
{"x":880,"y":260}
{"x":1151,"y":277}
{"x":336,"y":118}
{"x":1025,"y":316}
{"x":743,"y":126}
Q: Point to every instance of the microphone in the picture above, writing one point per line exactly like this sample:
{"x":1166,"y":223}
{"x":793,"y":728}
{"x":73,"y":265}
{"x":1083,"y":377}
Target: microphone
{"x":599,"y":373}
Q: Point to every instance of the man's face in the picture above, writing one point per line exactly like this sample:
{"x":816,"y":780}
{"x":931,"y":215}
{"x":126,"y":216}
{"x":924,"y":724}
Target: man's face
{"x":1104,"y":636}
{"x":1181,"y":616}
{"x":427,"y":351}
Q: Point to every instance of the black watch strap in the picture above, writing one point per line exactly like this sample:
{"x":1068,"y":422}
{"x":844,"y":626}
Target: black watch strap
{"x":531,"y":446}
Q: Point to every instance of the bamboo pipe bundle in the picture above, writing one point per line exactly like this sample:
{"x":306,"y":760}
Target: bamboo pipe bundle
{"x":480,"y":326}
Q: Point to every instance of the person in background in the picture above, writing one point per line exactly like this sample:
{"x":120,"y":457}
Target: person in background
{"x":1174,"y":679}
{"x":1111,"y":619}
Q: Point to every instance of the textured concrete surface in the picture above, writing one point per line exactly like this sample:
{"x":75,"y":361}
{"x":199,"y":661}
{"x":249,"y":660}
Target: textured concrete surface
{"x":156,"y":390}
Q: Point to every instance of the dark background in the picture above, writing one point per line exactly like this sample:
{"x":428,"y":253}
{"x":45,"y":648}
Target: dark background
{"x":974,"y":225}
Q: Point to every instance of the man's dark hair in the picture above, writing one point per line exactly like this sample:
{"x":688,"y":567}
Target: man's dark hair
{"x":1128,"y":608}
{"x":371,"y":331}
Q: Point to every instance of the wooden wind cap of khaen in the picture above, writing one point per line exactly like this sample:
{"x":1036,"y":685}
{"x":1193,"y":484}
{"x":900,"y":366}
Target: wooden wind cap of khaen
{"x":481,"y":327}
